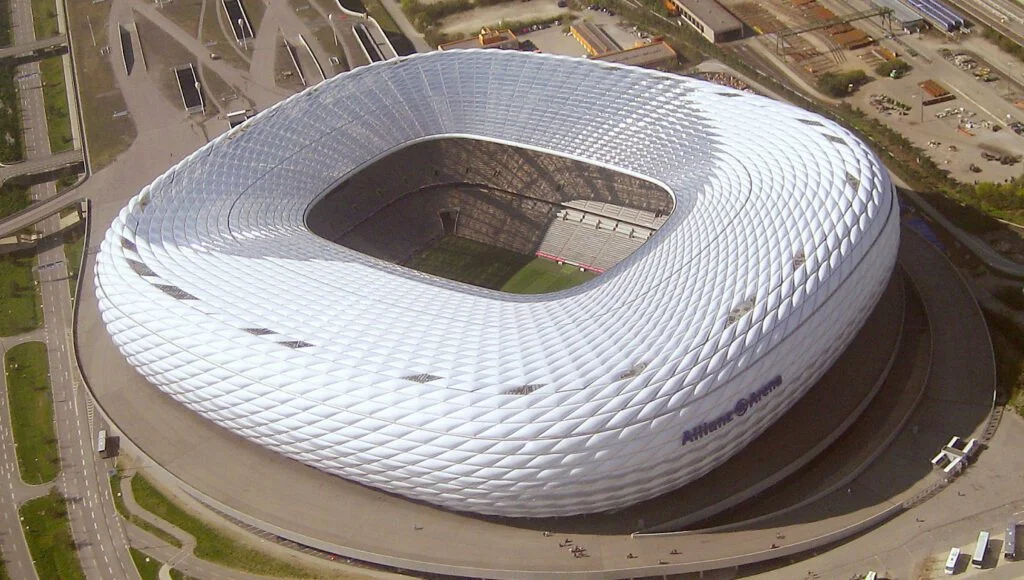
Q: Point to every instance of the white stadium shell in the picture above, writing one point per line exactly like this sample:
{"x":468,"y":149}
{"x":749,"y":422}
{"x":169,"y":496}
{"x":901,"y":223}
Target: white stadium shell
{"x":783,"y":235}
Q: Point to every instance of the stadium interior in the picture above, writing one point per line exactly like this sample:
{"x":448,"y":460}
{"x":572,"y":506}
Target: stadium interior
{"x":526,"y":202}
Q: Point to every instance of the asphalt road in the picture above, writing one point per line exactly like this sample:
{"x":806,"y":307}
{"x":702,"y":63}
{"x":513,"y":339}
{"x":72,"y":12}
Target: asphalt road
{"x":102,"y":547}
{"x":165,"y":136}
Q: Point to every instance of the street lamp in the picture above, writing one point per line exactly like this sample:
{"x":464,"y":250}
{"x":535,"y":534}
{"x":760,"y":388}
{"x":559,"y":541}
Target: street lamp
{"x":241,"y":32}
{"x":330,"y":19}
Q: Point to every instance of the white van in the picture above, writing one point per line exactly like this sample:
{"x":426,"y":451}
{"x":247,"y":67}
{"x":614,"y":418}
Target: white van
{"x":951,"y":561}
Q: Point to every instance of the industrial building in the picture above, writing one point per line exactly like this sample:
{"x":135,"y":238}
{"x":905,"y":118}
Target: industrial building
{"x":901,"y":14}
{"x":488,"y":38}
{"x":711,"y":19}
{"x":593,"y":38}
{"x":656,"y":54}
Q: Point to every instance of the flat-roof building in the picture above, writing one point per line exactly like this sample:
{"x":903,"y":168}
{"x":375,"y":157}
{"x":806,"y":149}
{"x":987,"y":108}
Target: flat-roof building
{"x":901,"y":13}
{"x":654,"y":55}
{"x":488,"y":38}
{"x":593,"y":38}
{"x":711,"y":19}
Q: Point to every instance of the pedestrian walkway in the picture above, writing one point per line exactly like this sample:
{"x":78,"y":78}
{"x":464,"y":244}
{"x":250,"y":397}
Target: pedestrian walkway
{"x":41,"y":164}
{"x":37,"y":47}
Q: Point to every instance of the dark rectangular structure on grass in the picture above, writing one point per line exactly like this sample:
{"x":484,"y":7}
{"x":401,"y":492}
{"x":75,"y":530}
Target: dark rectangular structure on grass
{"x":188,"y":84}
{"x":239,"y":19}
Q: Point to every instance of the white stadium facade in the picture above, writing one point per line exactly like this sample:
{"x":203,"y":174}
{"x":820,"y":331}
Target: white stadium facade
{"x":781,"y":235}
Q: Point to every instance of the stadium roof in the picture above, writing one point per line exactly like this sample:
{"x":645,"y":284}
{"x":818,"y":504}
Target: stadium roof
{"x":783,"y":235}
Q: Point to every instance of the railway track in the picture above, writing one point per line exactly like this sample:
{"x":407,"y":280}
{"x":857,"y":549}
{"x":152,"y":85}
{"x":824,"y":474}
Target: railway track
{"x":975,"y":14}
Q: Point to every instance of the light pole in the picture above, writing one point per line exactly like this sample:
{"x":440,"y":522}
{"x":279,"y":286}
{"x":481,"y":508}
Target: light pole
{"x":202,"y":101}
{"x":330,"y":18}
{"x":241,"y":32}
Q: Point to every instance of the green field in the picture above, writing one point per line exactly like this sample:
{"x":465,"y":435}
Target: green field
{"x":5,"y":41}
{"x":55,"y":99}
{"x":45,"y":521}
{"x":496,"y":268}
{"x":541,"y":276}
{"x":13,"y":198}
{"x":20,"y":307}
{"x":148,"y":567}
{"x":11,"y":146}
{"x":107,"y":136}
{"x":115,"y":491}
{"x":44,"y":18}
{"x":31,"y":403}
{"x":469,"y":261}
{"x":211,"y":544}
{"x":74,"y":243}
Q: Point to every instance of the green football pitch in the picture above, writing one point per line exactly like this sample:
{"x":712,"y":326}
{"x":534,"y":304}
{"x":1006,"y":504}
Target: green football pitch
{"x":540,"y":276}
{"x":496,"y":268}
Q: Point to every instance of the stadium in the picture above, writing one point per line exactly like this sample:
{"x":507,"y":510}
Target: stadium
{"x":267,"y":282}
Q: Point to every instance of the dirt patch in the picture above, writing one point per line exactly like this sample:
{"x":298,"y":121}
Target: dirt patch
{"x":285,"y":74}
{"x":255,"y":9}
{"x":470,"y":21}
{"x":216,"y":35}
{"x":218,"y":91}
{"x":185,"y":13}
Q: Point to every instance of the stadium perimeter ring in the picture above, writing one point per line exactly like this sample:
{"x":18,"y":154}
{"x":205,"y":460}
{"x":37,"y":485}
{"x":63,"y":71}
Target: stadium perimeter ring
{"x":782,"y":238}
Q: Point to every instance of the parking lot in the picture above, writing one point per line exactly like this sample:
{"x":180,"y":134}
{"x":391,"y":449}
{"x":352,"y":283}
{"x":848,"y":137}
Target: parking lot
{"x":554,"y":40}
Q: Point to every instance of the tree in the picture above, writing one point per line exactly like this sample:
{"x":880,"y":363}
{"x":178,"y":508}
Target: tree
{"x":894,"y":68}
{"x":843,"y":84}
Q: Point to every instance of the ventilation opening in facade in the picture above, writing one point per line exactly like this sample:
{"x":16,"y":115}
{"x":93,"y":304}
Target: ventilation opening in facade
{"x":492,"y":215}
{"x":449,"y":221}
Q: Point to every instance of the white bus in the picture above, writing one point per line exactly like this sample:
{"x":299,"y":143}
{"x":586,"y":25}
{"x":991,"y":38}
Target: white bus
{"x":1010,"y":545}
{"x":101,"y":442}
{"x":951,"y":561}
{"x":979,"y":550}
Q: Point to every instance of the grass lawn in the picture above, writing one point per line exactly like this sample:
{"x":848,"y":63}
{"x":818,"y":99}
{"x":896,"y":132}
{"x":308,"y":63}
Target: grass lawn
{"x":13,"y":198}
{"x":5,"y":40}
{"x":211,"y":544}
{"x":148,"y":567}
{"x":45,"y":521}
{"x":11,"y":146}
{"x":28,"y":393}
{"x":540,"y":276}
{"x":115,"y":491}
{"x":44,"y":18}
{"x":20,"y":307}
{"x":255,"y":11}
{"x":3,"y":569}
{"x":55,"y":98}
{"x":107,"y":135}
{"x":469,"y":261}
{"x":74,"y":244}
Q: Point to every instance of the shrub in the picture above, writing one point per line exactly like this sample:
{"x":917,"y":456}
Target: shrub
{"x":894,"y":68}
{"x":841,"y":84}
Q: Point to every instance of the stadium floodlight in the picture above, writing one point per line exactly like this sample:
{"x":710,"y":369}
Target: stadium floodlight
{"x":782,"y":238}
